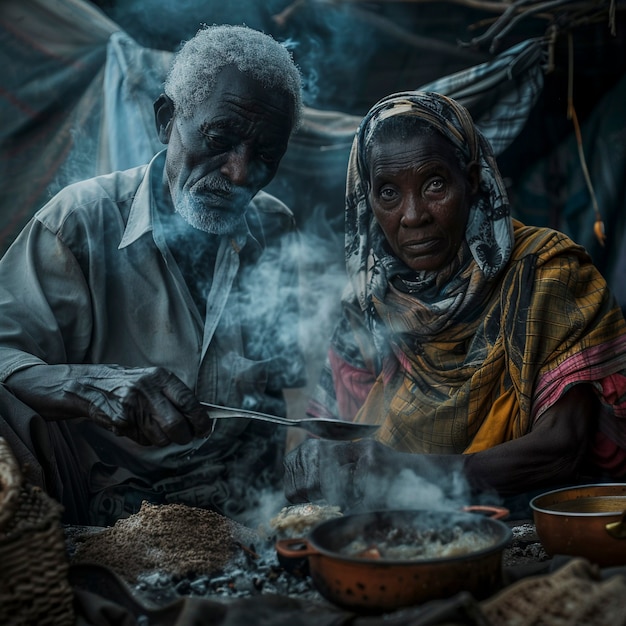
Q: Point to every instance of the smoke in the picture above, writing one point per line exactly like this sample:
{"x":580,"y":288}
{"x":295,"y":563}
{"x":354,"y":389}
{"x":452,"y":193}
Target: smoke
{"x":331,"y":47}
{"x":269,"y":503}
{"x":330,"y":51}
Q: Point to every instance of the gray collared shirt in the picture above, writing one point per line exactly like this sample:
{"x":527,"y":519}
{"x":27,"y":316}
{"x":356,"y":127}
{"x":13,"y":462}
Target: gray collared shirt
{"x":91,"y":280}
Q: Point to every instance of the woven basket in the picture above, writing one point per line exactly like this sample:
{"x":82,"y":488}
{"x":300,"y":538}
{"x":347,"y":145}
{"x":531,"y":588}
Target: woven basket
{"x":34,"y":587}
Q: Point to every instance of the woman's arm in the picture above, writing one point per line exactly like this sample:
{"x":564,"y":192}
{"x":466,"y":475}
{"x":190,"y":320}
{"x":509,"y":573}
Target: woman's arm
{"x":365,"y":471}
{"x":551,"y":453}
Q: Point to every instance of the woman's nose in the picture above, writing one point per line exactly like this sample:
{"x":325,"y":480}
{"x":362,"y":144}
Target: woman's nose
{"x":413,"y":214}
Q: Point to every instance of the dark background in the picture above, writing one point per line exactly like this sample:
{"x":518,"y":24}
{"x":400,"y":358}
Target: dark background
{"x":353,"y":53}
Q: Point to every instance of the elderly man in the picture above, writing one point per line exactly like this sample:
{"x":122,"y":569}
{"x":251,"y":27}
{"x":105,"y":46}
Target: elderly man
{"x":131,"y":297}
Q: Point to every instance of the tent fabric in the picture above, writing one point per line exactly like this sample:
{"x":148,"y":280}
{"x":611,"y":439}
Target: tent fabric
{"x":51,"y":61}
{"x":500,"y":93}
{"x":77,"y":97}
{"x":133,"y":78}
{"x":554,"y":193}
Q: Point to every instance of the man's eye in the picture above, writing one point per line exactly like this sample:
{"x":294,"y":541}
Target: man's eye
{"x":269,"y":158}
{"x":216,"y":142}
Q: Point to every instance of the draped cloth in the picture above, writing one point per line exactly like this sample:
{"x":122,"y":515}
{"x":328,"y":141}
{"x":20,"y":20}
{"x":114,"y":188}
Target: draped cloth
{"x":470,"y":356}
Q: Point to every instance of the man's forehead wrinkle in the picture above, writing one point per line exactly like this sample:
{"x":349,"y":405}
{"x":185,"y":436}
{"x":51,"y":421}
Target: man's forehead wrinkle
{"x":253,"y":104}
{"x":241,"y":121}
{"x":218,"y":121}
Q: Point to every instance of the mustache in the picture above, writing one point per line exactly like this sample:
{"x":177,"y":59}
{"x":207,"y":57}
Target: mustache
{"x":215,"y":184}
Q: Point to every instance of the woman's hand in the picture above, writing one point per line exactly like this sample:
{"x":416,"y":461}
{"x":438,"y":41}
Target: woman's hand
{"x":362,"y":473}
{"x":365,"y":472}
{"x":149,"y":405}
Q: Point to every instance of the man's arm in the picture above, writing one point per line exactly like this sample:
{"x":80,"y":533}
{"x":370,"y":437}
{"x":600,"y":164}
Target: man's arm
{"x":149,"y":405}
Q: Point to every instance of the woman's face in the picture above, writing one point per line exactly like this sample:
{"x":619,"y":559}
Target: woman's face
{"x":420,"y":198}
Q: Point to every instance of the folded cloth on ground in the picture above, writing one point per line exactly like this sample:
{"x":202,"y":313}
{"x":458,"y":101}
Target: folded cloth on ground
{"x":577,"y":593}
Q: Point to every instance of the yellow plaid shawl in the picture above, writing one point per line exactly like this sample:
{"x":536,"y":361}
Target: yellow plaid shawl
{"x":548,"y":322}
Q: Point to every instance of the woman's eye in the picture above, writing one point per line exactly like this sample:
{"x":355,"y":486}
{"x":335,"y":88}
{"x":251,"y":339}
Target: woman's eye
{"x":387,"y":194}
{"x":436,"y":185}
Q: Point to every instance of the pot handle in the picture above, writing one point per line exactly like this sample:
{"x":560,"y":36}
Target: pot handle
{"x":295,"y":547}
{"x":617,"y":530}
{"x":494,"y":512}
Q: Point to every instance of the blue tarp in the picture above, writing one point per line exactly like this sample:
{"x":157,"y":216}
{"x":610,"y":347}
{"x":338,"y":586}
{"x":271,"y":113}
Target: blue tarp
{"x":76,"y":96}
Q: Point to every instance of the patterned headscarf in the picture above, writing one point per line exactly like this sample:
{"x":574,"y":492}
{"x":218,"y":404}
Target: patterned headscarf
{"x":489,"y":231}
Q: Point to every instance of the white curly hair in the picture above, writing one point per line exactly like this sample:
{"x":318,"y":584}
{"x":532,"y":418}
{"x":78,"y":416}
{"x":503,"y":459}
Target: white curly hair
{"x":195,"y":66}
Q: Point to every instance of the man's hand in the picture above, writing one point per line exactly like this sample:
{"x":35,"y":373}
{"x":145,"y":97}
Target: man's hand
{"x":149,"y":405}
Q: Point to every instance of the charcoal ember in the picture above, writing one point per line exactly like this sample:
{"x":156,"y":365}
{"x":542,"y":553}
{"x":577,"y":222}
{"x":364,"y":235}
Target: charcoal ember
{"x":525,"y":547}
{"x":200,"y":585}
{"x":155,"y":580}
{"x":183,"y":587}
{"x":244,"y":584}
{"x":220,"y":581}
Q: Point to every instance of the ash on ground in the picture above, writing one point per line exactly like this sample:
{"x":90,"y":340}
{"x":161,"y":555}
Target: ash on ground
{"x":249,"y":573}
{"x":170,"y":551}
{"x":164,"y":552}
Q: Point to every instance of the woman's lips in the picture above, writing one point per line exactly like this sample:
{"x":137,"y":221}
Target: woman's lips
{"x":420,"y":245}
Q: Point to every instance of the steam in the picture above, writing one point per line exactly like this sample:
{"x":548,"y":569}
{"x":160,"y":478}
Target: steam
{"x":409,"y":490}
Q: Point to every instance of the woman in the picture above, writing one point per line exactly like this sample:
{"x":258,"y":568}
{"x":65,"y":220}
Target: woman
{"x":473,"y":340}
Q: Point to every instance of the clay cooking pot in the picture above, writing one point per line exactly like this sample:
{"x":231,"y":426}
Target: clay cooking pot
{"x":376,"y":585}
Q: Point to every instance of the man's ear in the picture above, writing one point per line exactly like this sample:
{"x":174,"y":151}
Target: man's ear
{"x":163,"y":115}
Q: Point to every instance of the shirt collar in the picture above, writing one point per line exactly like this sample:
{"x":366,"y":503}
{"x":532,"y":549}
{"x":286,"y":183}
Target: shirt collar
{"x":141,"y":215}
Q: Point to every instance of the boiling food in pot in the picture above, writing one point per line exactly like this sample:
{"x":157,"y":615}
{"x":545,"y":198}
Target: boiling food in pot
{"x":297,"y":519}
{"x":411,"y":543}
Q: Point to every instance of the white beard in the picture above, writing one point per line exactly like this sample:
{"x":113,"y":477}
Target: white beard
{"x":213,"y":221}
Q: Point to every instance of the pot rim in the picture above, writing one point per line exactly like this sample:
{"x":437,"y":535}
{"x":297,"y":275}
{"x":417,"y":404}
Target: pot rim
{"x":498,"y":545}
{"x":573,"y":489}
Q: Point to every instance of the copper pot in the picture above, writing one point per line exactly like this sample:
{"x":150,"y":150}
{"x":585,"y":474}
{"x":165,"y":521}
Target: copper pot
{"x":587,"y":521}
{"x":379,"y":585}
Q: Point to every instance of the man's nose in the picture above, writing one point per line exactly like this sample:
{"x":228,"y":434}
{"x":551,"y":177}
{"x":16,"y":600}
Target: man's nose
{"x":237,"y":166}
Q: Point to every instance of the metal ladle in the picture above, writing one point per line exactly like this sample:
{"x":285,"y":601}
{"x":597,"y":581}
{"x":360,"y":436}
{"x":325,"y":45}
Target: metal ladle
{"x":323,"y":427}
